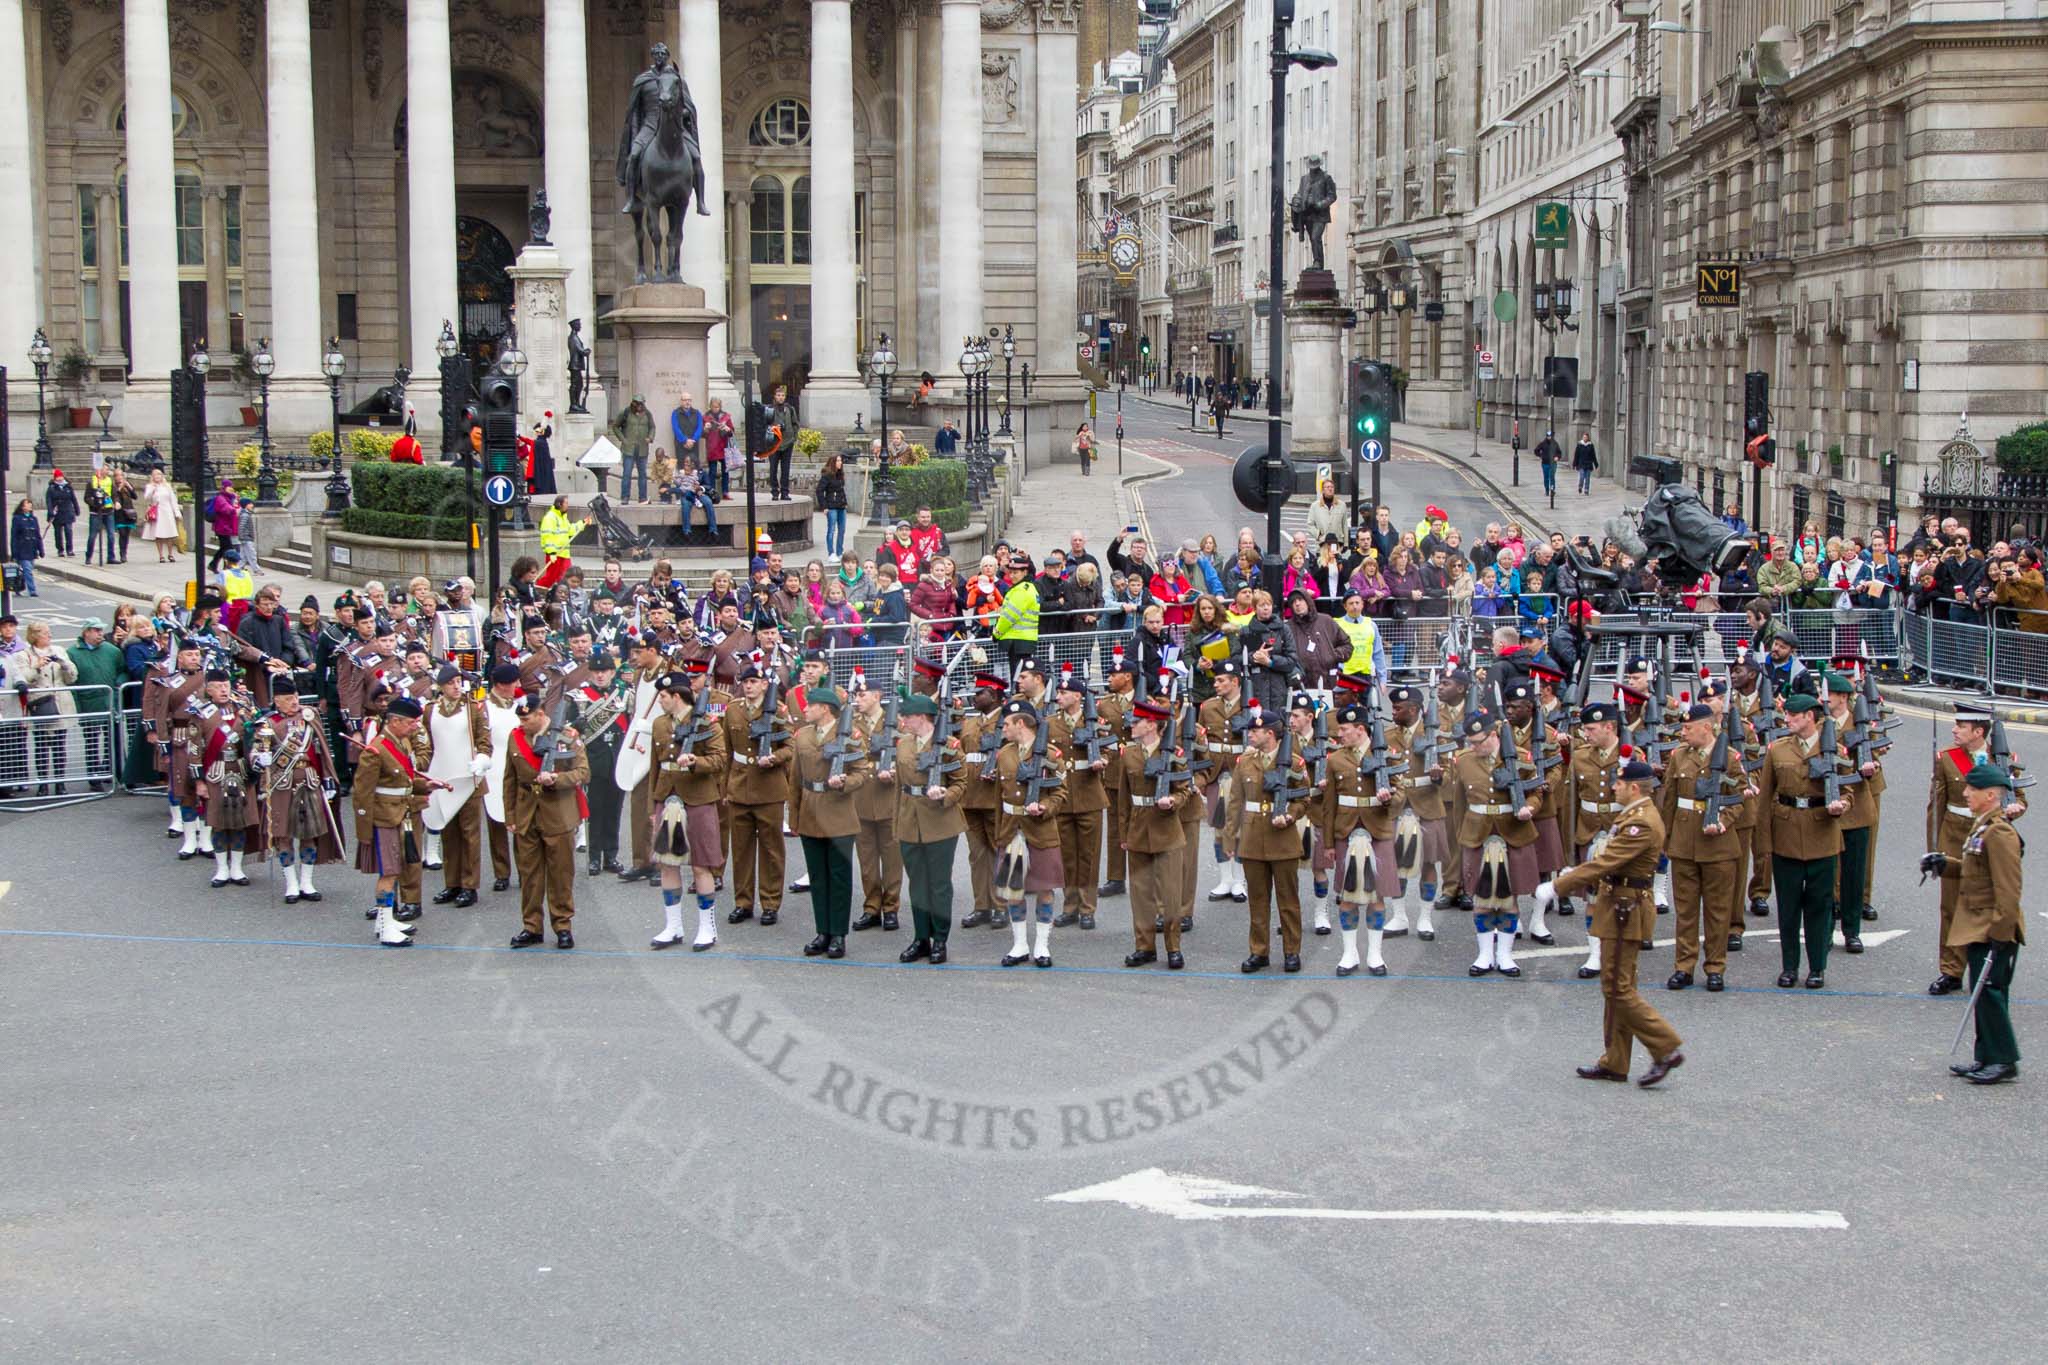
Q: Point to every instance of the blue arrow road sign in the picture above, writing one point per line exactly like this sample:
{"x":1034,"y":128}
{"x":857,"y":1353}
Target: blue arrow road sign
{"x":1371,"y":451}
{"x":499,"y":490}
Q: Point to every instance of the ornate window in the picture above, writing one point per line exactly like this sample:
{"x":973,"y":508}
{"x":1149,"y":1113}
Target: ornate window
{"x":779,"y":221}
{"x":785,"y":123}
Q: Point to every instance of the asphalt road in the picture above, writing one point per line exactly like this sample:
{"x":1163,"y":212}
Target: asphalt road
{"x":234,"y":1129}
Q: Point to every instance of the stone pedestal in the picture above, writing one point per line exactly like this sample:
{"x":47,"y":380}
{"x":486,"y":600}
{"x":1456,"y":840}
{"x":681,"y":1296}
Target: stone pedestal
{"x":1315,"y":324}
{"x":540,"y":291}
{"x":662,"y":334}
{"x":273,"y":526}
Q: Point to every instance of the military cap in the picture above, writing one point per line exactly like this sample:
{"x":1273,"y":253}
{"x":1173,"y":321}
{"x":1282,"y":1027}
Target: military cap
{"x":306,"y":684}
{"x":918,"y":704}
{"x":1304,"y":701}
{"x":1699,"y":710}
{"x":750,"y":672}
{"x":504,"y":675}
{"x":208,"y":601}
{"x":1714,"y":687}
{"x":406,"y":706}
{"x":1799,"y":702}
{"x":1974,"y":715}
{"x":825,"y":696}
{"x":1073,"y":680}
{"x":214,"y":675}
{"x":1021,"y":708}
{"x":674,"y":682}
{"x":698,"y":665}
{"x":1635,"y":770}
{"x":1404,"y":694}
{"x":1157,"y":712}
{"x":1988,"y":775}
{"x":525,"y":706}
{"x":992,"y":683}
{"x":815,"y":656}
{"x":1637,"y":664}
{"x":1547,"y":668}
{"x":1262,"y":719}
{"x":448,"y":673}
{"x":925,"y":668}
{"x":1354,"y":713}
{"x":1520,"y":691}
{"x":603,"y":662}
{"x":1024,"y":666}
{"x":532,"y":622}
{"x":1478,"y":723}
{"x":1596,"y":712}
{"x":1230,"y":668}
{"x":1120,"y":662}
{"x":1358,"y":684}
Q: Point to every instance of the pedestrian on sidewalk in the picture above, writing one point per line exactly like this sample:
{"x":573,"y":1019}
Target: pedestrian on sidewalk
{"x":25,"y":545}
{"x":60,"y":500}
{"x":99,"y":517}
{"x":124,"y":513}
{"x":224,"y":512}
{"x":1548,"y":453}
{"x":830,"y":494}
{"x":1585,"y":459}
{"x":1084,"y":446}
{"x":160,"y":516}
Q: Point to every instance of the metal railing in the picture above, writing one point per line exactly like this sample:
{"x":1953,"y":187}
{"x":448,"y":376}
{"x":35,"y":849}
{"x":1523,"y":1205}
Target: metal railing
{"x":58,"y":745}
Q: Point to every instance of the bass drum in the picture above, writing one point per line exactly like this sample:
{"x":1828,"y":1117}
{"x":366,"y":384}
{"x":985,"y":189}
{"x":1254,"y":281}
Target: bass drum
{"x":634,"y":760}
{"x":504,"y":720}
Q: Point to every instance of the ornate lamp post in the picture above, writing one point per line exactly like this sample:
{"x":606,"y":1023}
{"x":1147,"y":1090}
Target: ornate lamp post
{"x":1009,"y":359}
{"x":39,"y":356}
{"x":968,"y":360}
{"x":882,"y":496}
{"x":512,"y":364}
{"x":265,"y":365}
{"x":199,"y":364}
{"x":334,"y":365}
{"x":455,"y":392}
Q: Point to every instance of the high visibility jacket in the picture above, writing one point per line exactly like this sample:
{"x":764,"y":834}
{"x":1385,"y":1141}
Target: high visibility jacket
{"x":1018,"y":619}
{"x":556,"y":531}
{"x":237,"y":585}
{"x":1363,"y":635}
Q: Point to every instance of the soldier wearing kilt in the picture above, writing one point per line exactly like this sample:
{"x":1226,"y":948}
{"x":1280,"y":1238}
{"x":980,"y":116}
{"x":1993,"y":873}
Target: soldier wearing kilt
{"x":1362,"y":800}
{"x":1421,"y":786}
{"x":390,"y":791}
{"x":167,"y":695}
{"x":295,"y":774}
{"x":1027,"y":831}
{"x":686,"y":781}
{"x":218,"y":749}
{"x":1453,"y":692}
{"x":1497,"y":846}
{"x":1113,"y":714}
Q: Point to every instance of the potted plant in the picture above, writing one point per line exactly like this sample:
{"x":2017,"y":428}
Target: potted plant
{"x":74,"y":367}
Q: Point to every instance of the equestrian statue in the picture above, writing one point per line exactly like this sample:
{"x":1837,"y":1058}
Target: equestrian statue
{"x":660,"y":166}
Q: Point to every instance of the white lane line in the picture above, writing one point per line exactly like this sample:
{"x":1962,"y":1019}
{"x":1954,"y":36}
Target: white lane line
{"x":1870,"y":940}
{"x":1194,"y":1198}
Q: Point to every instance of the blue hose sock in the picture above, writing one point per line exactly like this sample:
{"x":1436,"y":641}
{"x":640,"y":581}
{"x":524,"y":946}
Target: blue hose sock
{"x":704,"y":899}
{"x":1045,"y":912}
{"x":1375,"y":919}
{"x":1347,"y":919}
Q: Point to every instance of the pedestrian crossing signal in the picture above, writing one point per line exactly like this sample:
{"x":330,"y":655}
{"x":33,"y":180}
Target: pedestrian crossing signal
{"x":1371,"y":395}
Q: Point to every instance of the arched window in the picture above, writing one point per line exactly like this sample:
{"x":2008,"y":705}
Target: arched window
{"x":768,"y":222}
{"x":785,"y":123}
{"x":182,"y":120}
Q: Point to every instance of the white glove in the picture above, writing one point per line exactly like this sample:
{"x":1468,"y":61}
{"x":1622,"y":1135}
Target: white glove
{"x":479,"y":764}
{"x":1546,"y":894}
{"x":260,"y":760}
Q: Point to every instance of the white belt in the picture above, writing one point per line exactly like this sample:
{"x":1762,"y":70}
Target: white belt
{"x":1417,"y":781}
{"x":1262,"y":807}
{"x":1959,"y":810}
{"x":1355,"y":801}
{"x":1142,"y":801}
{"x":743,"y":758}
{"x":394,"y":791}
{"x":1009,"y":809}
{"x":673,"y":768}
{"x":976,"y":758}
{"x":1687,"y":803}
{"x":1487,"y":810}
{"x":1226,"y":748}
{"x":1596,"y":808}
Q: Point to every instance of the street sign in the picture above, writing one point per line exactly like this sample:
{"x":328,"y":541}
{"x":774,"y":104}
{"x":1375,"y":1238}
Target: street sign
{"x":1486,"y":357}
{"x":1720,"y":285}
{"x":1488,"y":372}
{"x":1372,"y":451}
{"x":1087,"y":350}
{"x":1119,"y":328}
{"x":1433,"y":311}
{"x":1553,"y":225}
{"x":500,"y":491}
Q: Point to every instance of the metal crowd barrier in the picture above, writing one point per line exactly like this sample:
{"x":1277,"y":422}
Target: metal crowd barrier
{"x":2019,"y":661}
{"x":58,"y":746}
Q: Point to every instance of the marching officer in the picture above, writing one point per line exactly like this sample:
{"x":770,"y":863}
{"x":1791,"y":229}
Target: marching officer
{"x":1268,"y":847}
{"x":756,"y":793}
{"x":390,"y":791}
{"x":930,"y":779}
{"x":827,"y":767}
{"x":1623,"y":872}
{"x":686,"y":782}
{"x":295,"y":771}
{"x":1949,"y":822}
{"x":1153,"y":839}
{"x":1803,"y":836}
{"x":544,"y":806}
{"x":167,"y":705}
{"x":1081,"y":817}
{"x":879,"y":854}
{"x":1706,"y":857}
{"x":1113,"y":713}
{"x":1988,"y":923}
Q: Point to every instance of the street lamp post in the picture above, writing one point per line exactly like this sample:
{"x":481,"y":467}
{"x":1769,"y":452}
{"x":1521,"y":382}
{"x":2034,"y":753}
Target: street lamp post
{"x":1024,"y":387}
{"x":512,"y":364}
{"x":991,"y":454}
{"x":265,"y":365}
{"x":976,"y":486}
{"x":455,"y":380}
{"x":334,"y":364}
{"x":199,"y":364}
{"x":1009,"y":358}
{"x":1277,"y":479}
{"x":39,"y":356}
{"x":882,"y":496}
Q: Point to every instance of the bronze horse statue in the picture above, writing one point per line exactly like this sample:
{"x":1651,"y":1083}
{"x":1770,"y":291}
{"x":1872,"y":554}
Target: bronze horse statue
{"x":669,"y":178}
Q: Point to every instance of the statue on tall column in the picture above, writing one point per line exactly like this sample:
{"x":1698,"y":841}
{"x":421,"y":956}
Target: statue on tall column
{"x":1308,"y":213}
{"x":579,"y":367}
{"x":660,"y":166}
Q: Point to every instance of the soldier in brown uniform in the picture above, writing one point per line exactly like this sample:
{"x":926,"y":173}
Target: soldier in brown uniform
{"x":544,"y":806}
{"x":1113,"y":713}
{"x":827,"y":767}
{"x":1590,"y":802}
{"x":1487,"y":812}
{"x":167,"y":717}
{"x":981,"y":734}
{"x":1742,"y":820}
{"x":1949,"y":822}
{"x":220,"y":777}
{"x":390,"y":790}
{"x":1028,"y":827}
{"x":1087,"y":798}
{"x":1191,"y":807}
{"x":1988,"y":922}
{"x":455,"y":725}
{"x":541,"y":665}
{"x":1523,"y":712}
{"x":1361,"y":793}
{"x":1859,"y":824}
{"x":1268,"y":847}
{"x":1706,"y":858}
{"x":294,"y":772}
{"x":500,"y":700}
{"x":649,"y":668}
{"x":1804,"y":839}
{"x":1224,"y":741}
{"x":1453,"y":694}
{"x":1744,"y":678}
{"x":756,"y":795}
{"x":929,"y":779}
{"x":875,"y":847}
{"x":1419,"y":777}
{"x":688,"y":753}
{"x":1153,"y":838}
{"x":1622,"y":873}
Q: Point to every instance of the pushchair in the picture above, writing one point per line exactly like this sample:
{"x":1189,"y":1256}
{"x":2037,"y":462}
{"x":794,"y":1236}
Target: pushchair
{"x":620,"y":541}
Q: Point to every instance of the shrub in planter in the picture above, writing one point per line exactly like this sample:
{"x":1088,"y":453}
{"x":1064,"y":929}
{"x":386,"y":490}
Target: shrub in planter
{"x":808,"y":442}
{"x":933,"y":483}
{"x":359,"y":443}
{"x":952,"y":520}
{"x":365,"y":521}
{"x":433,"y":490}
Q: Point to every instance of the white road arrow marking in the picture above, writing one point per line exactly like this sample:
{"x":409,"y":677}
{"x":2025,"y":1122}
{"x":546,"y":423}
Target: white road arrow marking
{"x":1870,"y":940}
{"x":1194,"y":1198}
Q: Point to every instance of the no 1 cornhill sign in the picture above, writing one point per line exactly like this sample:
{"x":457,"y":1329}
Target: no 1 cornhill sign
{"x":1720,"y":285}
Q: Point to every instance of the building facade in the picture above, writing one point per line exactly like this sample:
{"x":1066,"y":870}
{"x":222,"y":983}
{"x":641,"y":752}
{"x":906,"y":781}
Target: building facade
{"x":874,"y":166}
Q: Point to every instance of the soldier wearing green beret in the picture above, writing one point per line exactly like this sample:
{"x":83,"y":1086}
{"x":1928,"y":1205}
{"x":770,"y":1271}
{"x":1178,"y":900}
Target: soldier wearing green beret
{"x":930,"y":781}
{"x":1802,"y":834}
{"x":1988,"y":922}
{"x":1859,"y":826}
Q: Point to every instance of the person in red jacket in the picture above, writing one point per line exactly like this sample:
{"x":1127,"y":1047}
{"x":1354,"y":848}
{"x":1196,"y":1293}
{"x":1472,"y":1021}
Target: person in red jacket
{"x":406,"y":450}
{"x":1174,"y":592}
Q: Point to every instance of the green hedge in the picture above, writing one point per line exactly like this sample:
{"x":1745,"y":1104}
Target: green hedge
{"x":2024,"y":450}
{"x":952,"y":519}
{"x":432,"y":490}
{"x":935,"y":484}
{"x":358,"y":443}
{"x":365,"y":521}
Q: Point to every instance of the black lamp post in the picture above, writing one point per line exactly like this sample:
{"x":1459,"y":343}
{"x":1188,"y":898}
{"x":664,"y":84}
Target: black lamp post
{"x":882,"y":496}
{"x":199,"y":364}
{"x":454,"y":393}
{"x":39,"y":356}
{"x":1024,"y":386}
{"x":334,"y":365}
{"x":1009,"y":358}
{"x":265,"y":365}
{"x":985,"y":361}
{"x":512,"y":364}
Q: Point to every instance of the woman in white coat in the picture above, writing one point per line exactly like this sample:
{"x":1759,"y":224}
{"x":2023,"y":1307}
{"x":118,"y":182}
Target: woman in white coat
{"x":158,"y":511}
{"x":30,"y":677}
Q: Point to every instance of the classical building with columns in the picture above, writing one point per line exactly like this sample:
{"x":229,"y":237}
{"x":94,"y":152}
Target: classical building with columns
{"x":300,"y":169}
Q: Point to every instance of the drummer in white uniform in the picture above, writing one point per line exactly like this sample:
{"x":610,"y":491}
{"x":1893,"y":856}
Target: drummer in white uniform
{"x":460,"y":729}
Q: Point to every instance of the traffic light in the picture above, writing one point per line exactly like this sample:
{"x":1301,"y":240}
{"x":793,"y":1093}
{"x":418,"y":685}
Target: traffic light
{"x":184,"y":429}
{"x":499,"y":400}
{"x":1144,"y":347}
{"x":1371,"y":395}
{"x":1758,"y":444}
{"x":757,"y":428}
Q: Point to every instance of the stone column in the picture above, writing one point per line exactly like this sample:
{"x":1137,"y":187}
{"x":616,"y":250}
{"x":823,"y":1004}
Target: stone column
{"x":703,"y":66}
{"x":213,"y":237}
{"x":566,"y":134}
{"x":430,"y":205}
{"x":834,"y":392}
{"x":152,"y":220}
{"x":908,"y":141}
{"x":108,"y":217}
{"x":1058,"y":231}
{"x":959,"y":180}
{"x":298,"y":393}
{"x":1315,"y":330}
{"x":20,"y":308}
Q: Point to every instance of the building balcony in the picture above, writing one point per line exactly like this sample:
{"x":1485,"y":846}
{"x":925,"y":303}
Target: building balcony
{"x":1224,"y":234}
{"x":1191,"y":281}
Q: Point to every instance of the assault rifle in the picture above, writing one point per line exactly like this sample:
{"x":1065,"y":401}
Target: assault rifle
{"x":764,"y":731}
{"x":843,"y":745}
{"x":2001,"y":753}
{"x":1712,"y":789}
{"x":1376,"y":766}
{"x":1035,"y":772}
{"x":1507,"y":778}
{"x":1278,"y":784}
{"x":1186,"y":743}
{"x":1826,"y":764}
{"x":1425,"y":744}
{"x":935,"y":764}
